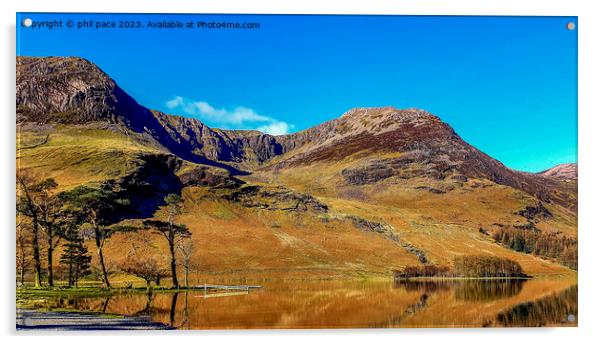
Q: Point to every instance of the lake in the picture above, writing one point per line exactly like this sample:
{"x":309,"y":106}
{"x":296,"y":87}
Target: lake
{"x":350,"y":304}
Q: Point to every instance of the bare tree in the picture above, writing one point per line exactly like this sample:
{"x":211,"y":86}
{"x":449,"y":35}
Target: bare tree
{"x":27,"y":205}
{"x":144,"y":260}
{"x":186,"y":248}
{"x":22,"y":260}
{"x":171,"y":231}
{"x":53,"y":221}
{"x":146,"y":268}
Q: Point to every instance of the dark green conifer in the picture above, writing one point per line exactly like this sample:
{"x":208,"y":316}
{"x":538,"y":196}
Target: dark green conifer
{"x":75,"y":256}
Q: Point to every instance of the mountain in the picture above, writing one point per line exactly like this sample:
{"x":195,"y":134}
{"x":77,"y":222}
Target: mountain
{"x":75,"y":91}
{"x":373,"y":189}
{"x":82,"y":93}
{"x":567,"y":172}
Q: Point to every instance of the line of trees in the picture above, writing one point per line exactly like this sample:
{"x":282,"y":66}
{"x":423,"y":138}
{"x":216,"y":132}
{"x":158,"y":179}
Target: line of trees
{"x":465,"y":266}
{"x":427,"y":270}
{"x":487,"y":266}
{"x":549,"y":245}
{"x":47,"y":218}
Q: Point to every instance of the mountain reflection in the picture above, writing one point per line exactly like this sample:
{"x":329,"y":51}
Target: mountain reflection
{"x":351,"y":304}
{"x":555,"y":309}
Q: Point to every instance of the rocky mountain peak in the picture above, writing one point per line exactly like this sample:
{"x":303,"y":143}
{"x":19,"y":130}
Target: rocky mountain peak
{"x":387,"y":117}
{"x":65,"y":90}
{"x":566,"y":172}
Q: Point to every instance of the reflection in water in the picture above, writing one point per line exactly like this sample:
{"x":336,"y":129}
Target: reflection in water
{"x":348,"y":304}
{"x":398,"y":320}
{"x":105,"y":304}
{"x":487,"y":290}
{"x":556,"y":309}
{"x":172,"y":309}
{"x":148,"y":305}
{"x":425,"y":286}
{"x":186,"y":317}
{"x":466,"y":290}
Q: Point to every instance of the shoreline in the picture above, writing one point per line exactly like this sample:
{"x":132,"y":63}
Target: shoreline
{"x":434,"y":278}
{"x":64,"y":320}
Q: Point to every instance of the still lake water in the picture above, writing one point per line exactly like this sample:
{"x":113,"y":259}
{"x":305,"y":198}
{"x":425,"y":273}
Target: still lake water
{"x":354,"y":304}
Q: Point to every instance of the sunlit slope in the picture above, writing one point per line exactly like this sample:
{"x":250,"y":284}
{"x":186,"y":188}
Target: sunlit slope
{"x":234,"y":239}
{"x":75,"y":155}
{"x":444,"y":218}
{"x":228,"y":236}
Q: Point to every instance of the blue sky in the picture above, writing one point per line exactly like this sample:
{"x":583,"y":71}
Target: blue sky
{"x":507,"y":85}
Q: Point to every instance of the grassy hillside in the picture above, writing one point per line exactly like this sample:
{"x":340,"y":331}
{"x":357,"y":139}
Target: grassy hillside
{"x":75,"y":155}
{"x":265,"y":239}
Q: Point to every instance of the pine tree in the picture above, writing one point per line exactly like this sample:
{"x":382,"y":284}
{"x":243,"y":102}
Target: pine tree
{"x":75,"y":256}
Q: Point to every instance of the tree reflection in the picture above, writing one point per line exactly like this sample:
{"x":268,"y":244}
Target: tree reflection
{"x":423,"y":286}
{"x":172,"y":309}
{"x":550,"y":310}
{"x":488,"y":290}
{"x":466,"y":290}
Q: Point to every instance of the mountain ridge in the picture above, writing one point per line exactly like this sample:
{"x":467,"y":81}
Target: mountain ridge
{"x":567,"y":171}
{"x":79,"y":92}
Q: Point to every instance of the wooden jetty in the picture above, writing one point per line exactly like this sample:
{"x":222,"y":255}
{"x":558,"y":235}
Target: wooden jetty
{"x":218,"y":290}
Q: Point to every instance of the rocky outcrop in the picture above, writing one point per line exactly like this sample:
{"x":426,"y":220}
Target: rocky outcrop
{"x":245,"y":147}
{"x":368,"y":174}
{"x":421,"y":255}
{"x":376,"y":227}
{"x":206,"y":176}
{"x":388,"y":232}
{"x":254,"y":196}
{"x":535,"y":212}
{"x":429,"y":189}
{"x":74,"y":91}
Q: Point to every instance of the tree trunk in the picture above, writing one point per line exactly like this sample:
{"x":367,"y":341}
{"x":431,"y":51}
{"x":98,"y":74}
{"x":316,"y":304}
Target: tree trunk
{"x":105,"y":275}
{"x":37,"y":275}
{"x":174,"y":274}
{"x":186,"y":276}
{"x":101,"y":258}
{"x":22,"y":275}
{"x":22,"y":262}
{"x":50,"y":253}
{"x":70,"y":280}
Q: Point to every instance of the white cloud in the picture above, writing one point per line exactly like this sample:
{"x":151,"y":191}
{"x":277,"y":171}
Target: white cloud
{"x":238,"y":118}
{"x":174,"y":103}
{"x":276,"y":128}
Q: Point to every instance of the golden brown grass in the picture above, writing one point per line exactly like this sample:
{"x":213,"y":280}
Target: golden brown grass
{"x":232,"y":240}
